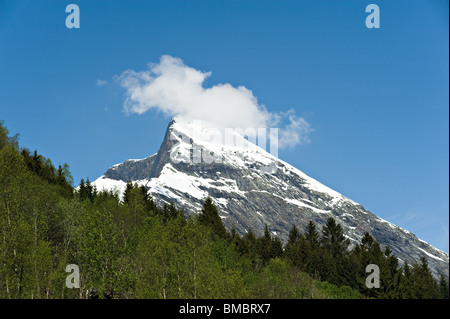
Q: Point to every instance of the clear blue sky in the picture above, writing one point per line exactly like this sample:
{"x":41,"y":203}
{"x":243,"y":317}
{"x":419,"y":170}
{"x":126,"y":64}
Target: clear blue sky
{"x":377,"y":99}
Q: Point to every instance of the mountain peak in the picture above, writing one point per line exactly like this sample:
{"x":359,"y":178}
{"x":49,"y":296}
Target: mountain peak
{"x":251,"y":188}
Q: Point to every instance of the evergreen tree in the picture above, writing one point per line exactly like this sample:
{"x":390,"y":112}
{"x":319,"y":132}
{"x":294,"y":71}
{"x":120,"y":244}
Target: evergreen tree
{"x":171,"y":212}
{"x":312,"y":236}
{"x":91,"y":191}
{"x":314,"y":256}
{"x":425,"y":286}
{"x":276,"y":248}
{"x":333,"y":238}
{"x":238,"y":242}
{"x":82,"y":191}
{"x":335,"y":244}
{"x":209,"y":217}
{"x":294,"y":236}
{"x":250,"y":242}
{"x":295,"y":249}
{"x":128,"y":188}
{"x":366,"y":242}
{"x":443,"y":287}
{"x":149,"y":203}
{"x":390,"y":276}
{"x":265,"y":246}
{"x":407,"y":282}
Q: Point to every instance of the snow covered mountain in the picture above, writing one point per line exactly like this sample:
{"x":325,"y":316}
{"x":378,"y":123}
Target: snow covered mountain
{"x":251,"y":188}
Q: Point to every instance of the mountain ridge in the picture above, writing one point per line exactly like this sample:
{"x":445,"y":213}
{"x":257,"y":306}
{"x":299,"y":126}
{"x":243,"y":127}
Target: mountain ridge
{"x":252,"y":187}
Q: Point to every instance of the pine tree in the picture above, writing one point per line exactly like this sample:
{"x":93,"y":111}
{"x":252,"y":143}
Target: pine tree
{"x":91,"y":191}
{"x":295,"y":248}
{"x":390,"y":276}
{"x":335,"y":244}
{"x":149,"y":203}
{"x":333,"y":238}
{"x":294,"y":236}
{"x":312,"y":236}
{"x":443,"y":287}
{"x":37,"y":163}
{"x":366,"y":242}
{"x":313,"y":252}
{"x":209,"y":217}
{"x":268,"y":247}
{"x":264,"y":244}
{"x":250,"y":242}
{"x":82,"y":191}
{"x":427,"y":287}
{"x":276,"y":247}
{"x":238,"y":242}
{"x":170,"y":211}
{"x":407,"y":283}
{"x":128,"y":188}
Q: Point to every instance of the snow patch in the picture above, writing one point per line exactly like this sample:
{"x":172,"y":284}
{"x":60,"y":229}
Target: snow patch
{"x":301,"y":204}
{"x":430,"y":255}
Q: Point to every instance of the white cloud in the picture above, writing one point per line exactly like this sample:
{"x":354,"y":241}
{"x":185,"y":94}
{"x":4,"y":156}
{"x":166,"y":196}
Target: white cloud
{"x":296,"y":132}
{"x":101,"y":82}
{"x":174,"y":88}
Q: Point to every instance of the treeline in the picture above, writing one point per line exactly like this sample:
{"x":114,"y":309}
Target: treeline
{"x":326,"y":256}
{"x":128,"y":247}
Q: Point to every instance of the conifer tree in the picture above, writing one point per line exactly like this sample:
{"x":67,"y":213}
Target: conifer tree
{"x":209,"y":217}
{"x":82,"y":191}
{"x":250,"y":242}
{"x":407,"y":282}
{"x":312,"y":236}
{"x":170,"y":211}
{"x":313,"y":253}
{"x":443,"y":287}
{"x":268,"y":247}
{"x":426,"y":286}
{"x":390,"y":276}
{"x":366,"y":242}
{"x":276,"y":247}
{"x":335,"y":245}
{"x":149,"y":203}
{"x":128,"y":188}
{"x":294,"y":250}
{"x":91,"y":191}
{"x":333,"y":238}
{"x":294,"y":236}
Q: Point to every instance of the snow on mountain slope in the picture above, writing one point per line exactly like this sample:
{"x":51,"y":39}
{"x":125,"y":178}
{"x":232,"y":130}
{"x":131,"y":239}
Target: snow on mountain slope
{"x":252,"y":187}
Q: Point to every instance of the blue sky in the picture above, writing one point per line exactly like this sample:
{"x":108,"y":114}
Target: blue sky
{"x":377,"y":99}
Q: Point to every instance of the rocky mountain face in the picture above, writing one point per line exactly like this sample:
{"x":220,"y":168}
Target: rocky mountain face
{"x":251,"y":188}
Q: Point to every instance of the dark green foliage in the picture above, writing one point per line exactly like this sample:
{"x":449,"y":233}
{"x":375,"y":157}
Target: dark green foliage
{"x":44,"y":168}
{"x":268,"y":247}
{"x":333,"y":238}
{"x":87,"y":191}
{"x":424,"y":286}
{"x":126,"y":194}
{"x":295,"y":249}
{"x":443,"y":287}
{"x":170,"y":212}
{"x":312,"y":237}
{"x":209,"y":217}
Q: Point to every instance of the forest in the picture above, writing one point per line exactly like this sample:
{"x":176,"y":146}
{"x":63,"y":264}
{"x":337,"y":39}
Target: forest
{"x":126,"y":246}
